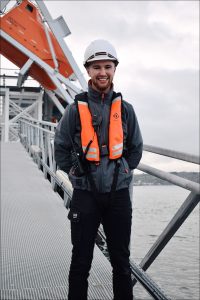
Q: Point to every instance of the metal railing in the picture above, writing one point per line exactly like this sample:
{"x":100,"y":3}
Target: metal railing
{"x":185,"y":209}
{"x":37,"y":137}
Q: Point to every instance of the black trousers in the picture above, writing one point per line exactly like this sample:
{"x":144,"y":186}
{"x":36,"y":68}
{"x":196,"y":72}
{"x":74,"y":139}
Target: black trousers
{"x":86,"y":214}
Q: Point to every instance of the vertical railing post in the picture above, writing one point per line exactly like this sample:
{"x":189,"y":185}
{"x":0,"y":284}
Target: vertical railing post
{"x":29,"y":138}
{"x":49,"y":151}
{"x":40,"y":102}
{"x":43,"y":150}
{"x":32,"y":134}
{"x":38,"y":134}
{"x":6,"y":116}
{"x":45,"y":153}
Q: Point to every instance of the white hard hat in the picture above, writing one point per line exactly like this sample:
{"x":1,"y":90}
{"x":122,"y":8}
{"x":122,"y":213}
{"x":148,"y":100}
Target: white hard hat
{"x":100,"y":50}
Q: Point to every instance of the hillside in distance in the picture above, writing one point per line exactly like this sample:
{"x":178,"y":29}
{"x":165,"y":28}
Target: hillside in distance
{"x":146,"y":179}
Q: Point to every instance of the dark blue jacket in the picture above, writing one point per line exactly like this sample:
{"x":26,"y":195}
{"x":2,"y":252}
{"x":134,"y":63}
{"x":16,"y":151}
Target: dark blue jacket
{"x":103,"y":173}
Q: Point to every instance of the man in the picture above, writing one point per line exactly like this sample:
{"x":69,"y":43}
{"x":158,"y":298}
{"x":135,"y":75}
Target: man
{"x":98,"y":142}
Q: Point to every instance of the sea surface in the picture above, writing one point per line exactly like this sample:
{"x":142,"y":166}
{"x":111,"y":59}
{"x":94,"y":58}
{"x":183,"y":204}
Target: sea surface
{"x":176,"y":269}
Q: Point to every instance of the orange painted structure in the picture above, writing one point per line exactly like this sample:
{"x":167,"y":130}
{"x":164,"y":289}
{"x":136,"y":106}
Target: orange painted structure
{"x":24,"y":24}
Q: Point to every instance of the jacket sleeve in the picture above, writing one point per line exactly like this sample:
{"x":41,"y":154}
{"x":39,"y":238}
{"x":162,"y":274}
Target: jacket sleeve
{"x":134,"y":139}
{"x":62,"y":141}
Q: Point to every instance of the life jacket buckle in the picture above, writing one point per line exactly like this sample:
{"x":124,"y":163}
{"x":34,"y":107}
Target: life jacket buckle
{"x":104,"y":150}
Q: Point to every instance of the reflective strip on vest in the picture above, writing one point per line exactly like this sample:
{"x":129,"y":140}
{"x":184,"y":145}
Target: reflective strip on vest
{"x":115,"y":131}
{"x":90,"y":149}
{"x":88,"y":156}
{"x":117,"y":153}
{"x":115,"y":147}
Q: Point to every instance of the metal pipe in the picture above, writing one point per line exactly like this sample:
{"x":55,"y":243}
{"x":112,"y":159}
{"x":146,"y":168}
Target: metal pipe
{"x":183,"y":212}
{"x":6,"y":116}
{"x":57,"y":180}
{"x":33,"y":120}
{"x":27,"y":109}
{"x":150,"y":286}
{"x":51,"y":47}
{"x":182,"y":182}
{"x":55,"y":101}
{"x":36,"y":126}
{"x":62,"y":44}
{"x":173,"y":154}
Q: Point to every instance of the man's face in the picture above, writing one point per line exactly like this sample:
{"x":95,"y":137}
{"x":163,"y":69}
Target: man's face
{"x":101,"y":73}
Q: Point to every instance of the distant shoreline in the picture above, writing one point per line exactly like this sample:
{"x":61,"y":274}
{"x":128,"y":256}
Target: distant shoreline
{"x":146,"y":179}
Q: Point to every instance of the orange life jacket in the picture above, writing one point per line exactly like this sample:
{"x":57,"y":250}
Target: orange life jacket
{"x":89,"y":139}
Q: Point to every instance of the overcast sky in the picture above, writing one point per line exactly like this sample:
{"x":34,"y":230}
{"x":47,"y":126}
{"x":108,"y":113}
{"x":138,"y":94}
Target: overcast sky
{"x":158,"y":48}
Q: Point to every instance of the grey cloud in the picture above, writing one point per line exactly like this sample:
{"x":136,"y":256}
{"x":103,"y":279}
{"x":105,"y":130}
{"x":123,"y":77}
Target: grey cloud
{"x":120,"y":21}
{"x":168,"y":108}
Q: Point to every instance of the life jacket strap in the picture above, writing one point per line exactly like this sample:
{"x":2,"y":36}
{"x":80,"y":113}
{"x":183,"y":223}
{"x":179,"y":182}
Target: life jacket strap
{"x":104,"y":150}
{"x":115,"y":176}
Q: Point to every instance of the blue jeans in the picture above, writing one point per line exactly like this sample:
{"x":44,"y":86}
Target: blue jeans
{"x":86,"y":214}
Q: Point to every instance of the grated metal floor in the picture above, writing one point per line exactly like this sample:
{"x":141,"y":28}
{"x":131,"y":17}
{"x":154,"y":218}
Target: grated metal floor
{"x":35,"y":236}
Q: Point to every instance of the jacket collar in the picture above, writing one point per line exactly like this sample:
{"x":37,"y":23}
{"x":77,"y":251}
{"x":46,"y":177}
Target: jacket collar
{"x":97,"y":97}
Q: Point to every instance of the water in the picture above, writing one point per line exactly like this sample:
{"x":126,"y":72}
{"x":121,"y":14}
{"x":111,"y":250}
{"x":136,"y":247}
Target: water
{"x":176,"y":269}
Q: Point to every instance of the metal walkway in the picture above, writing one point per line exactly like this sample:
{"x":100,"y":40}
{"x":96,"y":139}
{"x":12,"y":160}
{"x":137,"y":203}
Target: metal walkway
{"x":35,"y":235}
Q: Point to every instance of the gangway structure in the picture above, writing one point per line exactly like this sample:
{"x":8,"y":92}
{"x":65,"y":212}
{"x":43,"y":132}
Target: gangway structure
{"x":22,"y":120}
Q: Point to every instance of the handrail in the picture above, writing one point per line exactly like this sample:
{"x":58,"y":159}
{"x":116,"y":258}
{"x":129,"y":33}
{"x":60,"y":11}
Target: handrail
{"x":179,"y":181}
{"x":173,"y":154}
{"x":39,"y":122}
{"x":41,"y":128}
{"x":183,"y":212}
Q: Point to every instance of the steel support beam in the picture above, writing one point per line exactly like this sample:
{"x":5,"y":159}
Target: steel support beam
{"x":6,"y":116}
{"x":62,"y":44}
{"x":184,"y":211}
{"x":55,"y":100}
{"x":61,"y":25}
{"x":61,"y":90}
{"x":40,"y":102}
{"x":3,"y":4}
{"x":23,"y":72}
{"x":28,"y":109}
{"x":51,"y":46}
{"x":19,"y":109}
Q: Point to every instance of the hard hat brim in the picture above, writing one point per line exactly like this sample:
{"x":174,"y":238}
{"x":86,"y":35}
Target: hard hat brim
{"x":102,"y":57}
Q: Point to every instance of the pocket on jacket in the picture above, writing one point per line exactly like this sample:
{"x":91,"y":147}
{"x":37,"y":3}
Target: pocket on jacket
{"x":77,"y":182}
{"x":125,"y":175}
{"x":124,"y":166}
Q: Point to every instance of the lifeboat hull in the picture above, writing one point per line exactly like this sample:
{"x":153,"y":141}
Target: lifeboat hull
{"x":24,"y":24}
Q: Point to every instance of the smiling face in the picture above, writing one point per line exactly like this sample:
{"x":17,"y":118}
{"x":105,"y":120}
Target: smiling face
{"x":101,"y":73}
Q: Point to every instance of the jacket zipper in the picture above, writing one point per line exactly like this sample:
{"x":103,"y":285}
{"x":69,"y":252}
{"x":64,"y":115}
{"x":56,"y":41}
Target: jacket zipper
{"x":102,"y":98}
{"x":101,"y":161}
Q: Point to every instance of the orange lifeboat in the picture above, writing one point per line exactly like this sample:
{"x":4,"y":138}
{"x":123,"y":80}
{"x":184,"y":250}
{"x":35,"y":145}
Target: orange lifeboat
{"x":24,"y":24}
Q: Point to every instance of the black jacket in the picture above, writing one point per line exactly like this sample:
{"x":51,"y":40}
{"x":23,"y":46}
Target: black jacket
{"x":102,"y":173}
